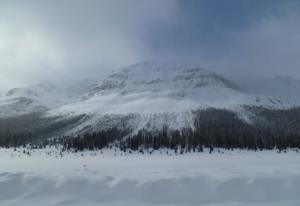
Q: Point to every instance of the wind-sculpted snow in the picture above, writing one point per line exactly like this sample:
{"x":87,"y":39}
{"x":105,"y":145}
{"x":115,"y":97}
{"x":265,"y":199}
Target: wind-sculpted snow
{"x":231,"y":178}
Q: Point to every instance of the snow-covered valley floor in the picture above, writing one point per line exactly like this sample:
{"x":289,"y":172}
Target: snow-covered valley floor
{"x":235,"y":178}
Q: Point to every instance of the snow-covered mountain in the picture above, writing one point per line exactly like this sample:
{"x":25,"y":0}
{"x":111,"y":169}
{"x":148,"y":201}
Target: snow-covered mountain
{"x":34,"y":98}
{"x":142,"y":96}
{"x":77,"y":89}
{"x":149,"y":95}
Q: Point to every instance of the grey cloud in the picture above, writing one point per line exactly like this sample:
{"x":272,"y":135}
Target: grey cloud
{"x":74,"y":39}
{"x":267,"y":48}
{"x":67,"y":40}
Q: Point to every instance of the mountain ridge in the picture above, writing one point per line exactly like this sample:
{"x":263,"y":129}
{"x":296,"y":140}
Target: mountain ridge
{"x":142,"y":96}
{"x":38,"y":97}
{"x":149,"y":95}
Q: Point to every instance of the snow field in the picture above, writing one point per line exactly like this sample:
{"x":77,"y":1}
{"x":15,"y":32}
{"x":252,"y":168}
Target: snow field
{"x":237,"y":178}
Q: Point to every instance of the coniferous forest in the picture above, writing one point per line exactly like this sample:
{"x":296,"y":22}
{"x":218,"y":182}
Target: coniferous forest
{"x":213,"y":128}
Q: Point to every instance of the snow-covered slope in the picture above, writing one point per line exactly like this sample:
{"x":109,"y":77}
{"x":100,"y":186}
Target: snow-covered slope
{"x":77,"y":89}
{"x":149,"y":95}
{"x":33,"y":98}
{"x":145,"y":95}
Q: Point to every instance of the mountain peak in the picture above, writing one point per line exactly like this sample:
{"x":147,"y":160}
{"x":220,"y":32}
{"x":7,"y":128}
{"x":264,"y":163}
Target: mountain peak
{"x":148,"y":95}
{"x":33,"y":98}
{"x":48,"y":86}
{"x":158,"y":77}
{"x":34,"y":90}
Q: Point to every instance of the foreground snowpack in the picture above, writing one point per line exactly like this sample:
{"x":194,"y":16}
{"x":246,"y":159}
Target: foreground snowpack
{"x":231,"y":178}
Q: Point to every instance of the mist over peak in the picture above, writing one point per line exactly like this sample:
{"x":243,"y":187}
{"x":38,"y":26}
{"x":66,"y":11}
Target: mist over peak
{"x":108,"y":35}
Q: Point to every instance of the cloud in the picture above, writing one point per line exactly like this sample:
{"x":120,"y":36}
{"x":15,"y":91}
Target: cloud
{"x":235,"y":38}
{"x":75,"y":39}
{"x":266,"y":48}
{"x":65,"y":40}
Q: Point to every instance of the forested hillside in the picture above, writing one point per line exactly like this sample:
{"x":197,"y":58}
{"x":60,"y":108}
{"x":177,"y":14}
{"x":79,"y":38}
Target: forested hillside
{"x":213,"y":128}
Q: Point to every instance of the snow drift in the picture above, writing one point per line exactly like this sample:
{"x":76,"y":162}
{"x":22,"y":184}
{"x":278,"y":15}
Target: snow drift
{"x":112,"y":178}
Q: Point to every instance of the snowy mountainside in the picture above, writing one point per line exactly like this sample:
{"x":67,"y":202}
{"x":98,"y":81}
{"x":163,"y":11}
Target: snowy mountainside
{"x":34,"y":98}
{"x":145,"y":77}
{"x":36,"y":90}
{"x":77,"y":89}
{"x":149,"y":95}
{"x":143,"y":96}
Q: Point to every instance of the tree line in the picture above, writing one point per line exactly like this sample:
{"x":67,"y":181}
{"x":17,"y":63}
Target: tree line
{"x":213,"y":128}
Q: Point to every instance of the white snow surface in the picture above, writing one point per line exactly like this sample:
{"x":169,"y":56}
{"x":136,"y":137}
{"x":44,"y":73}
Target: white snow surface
{"x":235,"y":178}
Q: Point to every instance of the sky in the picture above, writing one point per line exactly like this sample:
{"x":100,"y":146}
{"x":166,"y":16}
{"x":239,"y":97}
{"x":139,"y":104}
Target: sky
{"x":70,"y":40}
